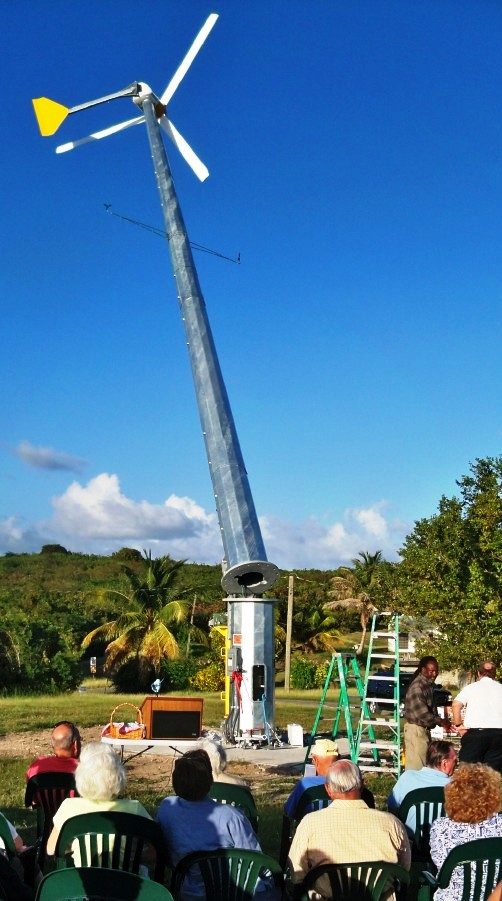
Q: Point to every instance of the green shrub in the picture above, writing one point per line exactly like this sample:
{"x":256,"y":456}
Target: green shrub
{"x":176,"y":674}
{"x":128,"y":553}
{"x":211,"y":678}
{"x":302,"y":673}
{"x":35,"y":658}
{"x":321,"y":672}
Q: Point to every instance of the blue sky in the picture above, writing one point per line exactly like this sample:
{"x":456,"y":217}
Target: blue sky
{"x":355,"y":158}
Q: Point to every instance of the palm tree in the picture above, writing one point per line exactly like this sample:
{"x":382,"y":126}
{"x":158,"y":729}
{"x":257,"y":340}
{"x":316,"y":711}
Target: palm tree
{"x":314,"y":628}
{"x":142,"y":629}
{"x":356,"y":588}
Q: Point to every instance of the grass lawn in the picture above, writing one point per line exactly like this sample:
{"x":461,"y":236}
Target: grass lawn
{"x":94,"y":706}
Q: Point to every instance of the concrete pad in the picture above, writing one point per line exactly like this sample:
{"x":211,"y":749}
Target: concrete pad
{"x":284,"y":756}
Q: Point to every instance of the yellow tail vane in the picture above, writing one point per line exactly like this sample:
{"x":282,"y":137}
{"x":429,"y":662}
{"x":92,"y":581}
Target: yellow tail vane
{"x":50,"y":114}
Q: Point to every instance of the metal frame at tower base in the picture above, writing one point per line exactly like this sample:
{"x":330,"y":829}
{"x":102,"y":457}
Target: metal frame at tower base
{"x":252,"y":671}
{"x":380,"y":751}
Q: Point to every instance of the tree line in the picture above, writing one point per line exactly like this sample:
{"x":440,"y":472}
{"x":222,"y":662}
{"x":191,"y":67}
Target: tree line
{"x":152,"y":616}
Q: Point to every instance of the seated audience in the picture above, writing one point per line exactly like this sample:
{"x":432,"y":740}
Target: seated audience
{"x":66,"y":745}
{"x":191,"y":821}
{"x":347,"y":831}
{"x":218,"y":758}
{"x":100,"y":779}
{"x":323,"y":753}
{"x":473,"y":800}
{"x":23,"y":871}
{"x":18,"y":842}
{"x":440,"y":762}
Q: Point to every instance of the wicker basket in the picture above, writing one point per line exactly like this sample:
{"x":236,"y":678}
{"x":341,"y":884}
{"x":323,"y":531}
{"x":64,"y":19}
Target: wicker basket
{"x":133,"y":733}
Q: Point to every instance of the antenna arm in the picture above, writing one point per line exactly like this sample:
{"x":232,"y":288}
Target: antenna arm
{"x":132,"y":90}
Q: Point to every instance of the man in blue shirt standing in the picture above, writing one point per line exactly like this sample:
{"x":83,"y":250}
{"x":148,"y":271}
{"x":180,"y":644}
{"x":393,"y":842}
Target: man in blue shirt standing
{"x":440,"y":761}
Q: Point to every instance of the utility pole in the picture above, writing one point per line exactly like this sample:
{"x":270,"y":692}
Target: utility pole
{"x":191,"y":624}
{"x":289,"y":630}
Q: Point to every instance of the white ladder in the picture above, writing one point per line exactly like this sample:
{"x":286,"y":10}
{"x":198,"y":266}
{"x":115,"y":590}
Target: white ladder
{"x":378,"y":737}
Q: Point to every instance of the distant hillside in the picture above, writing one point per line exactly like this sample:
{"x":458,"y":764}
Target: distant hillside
{"x":55,"y":571}
{"x":70,"y":588}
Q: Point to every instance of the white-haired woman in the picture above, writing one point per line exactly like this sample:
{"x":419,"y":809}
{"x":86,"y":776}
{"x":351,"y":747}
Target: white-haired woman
{"x":100,"y":779}
{"x":218,"y":757}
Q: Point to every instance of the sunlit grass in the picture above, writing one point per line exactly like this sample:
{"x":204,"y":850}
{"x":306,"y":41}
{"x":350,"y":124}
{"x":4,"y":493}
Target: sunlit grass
{"x":22,"y":714}
{"x":93,"y":707}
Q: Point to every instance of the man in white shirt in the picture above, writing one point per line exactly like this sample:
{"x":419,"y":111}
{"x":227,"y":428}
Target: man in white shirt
{"x":477,"y":716}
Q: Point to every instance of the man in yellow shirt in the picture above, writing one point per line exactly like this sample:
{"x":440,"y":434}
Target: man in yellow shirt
{"x":347,"y":831}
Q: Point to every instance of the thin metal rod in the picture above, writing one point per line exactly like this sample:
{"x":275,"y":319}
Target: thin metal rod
{"x":130,"y":91}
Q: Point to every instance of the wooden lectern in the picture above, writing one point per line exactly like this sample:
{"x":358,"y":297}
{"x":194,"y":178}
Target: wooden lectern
{"x":174,"y":718}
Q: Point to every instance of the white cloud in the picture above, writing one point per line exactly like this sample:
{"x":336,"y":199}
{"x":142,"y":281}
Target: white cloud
{"x":100,"y":512}
{"x":326,"y":546}
{"x":373,"y":520}
{"x":98,"y":518}
{"x":18,"y":539}
{"x":47,"y":458}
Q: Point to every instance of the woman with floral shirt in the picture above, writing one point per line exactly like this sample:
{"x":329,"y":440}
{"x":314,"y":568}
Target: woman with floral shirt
{"x":472,"y":801}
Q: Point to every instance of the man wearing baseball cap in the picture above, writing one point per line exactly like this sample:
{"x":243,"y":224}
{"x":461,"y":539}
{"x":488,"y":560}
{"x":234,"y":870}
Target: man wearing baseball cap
{"x":323,"y":753}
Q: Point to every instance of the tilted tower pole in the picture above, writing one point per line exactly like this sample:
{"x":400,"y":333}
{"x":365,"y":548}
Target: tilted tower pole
{"x":247,"y":571}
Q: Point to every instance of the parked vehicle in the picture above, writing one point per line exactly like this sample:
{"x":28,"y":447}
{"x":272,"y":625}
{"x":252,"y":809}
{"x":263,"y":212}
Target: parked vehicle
{"x":381,"y":689}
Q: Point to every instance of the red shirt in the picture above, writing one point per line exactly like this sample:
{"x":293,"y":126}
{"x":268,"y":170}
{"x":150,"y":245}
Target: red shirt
{"x":52,"y":764}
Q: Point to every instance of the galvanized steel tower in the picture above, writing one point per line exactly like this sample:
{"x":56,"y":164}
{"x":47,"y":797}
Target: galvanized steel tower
{"x":247,"y":573}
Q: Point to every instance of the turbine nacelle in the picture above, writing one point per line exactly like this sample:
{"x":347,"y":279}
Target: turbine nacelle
{"x":51,"y":115}
{"x":145,"y":93}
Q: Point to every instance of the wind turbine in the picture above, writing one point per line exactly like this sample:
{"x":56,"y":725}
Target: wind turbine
{"x":247,"y":572}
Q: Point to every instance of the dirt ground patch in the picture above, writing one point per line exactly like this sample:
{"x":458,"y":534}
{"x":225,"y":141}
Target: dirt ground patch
{"x":35,"y":744}
{"x":154,"y":769}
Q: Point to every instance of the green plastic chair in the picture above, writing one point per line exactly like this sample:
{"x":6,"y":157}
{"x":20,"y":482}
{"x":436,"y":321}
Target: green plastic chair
{"x":93,"y":884}
{"x":237,"y":796}
{"x":7,"y":839}
{"x":229,"y":874}
{"x":111,"y":839}
{"x":429,"y":805}
{"x":480,"y":862}
{"x":354,"y":881}
{"x":27,"y":858}
{"x":46,"y":792}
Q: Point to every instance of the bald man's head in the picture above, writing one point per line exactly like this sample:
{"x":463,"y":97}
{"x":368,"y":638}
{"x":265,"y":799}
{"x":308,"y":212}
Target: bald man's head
{"x":66,"y":740}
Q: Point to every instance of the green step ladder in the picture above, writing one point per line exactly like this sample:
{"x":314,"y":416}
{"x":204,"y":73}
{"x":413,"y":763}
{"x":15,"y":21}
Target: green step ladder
{"x":378,"y":737}
{"x":344,"y":668}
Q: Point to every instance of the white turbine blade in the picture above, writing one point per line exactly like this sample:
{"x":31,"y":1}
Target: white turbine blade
{"x":186,"y":151}
{"x":182,"y":70}
{"x":100,"y":134}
